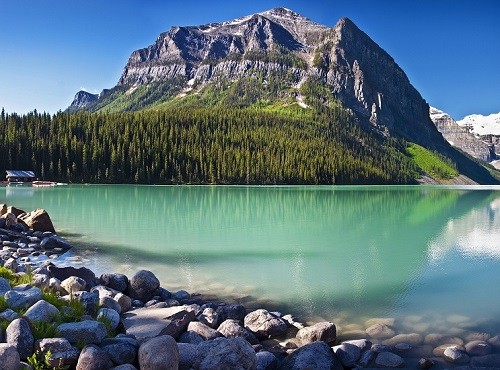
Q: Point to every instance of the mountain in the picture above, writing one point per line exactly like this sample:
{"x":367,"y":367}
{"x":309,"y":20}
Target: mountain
{"x":460,"y":137}
{"x":482,"y":125}
{"x":275,"y":59}
{"x":83,"y":100}
{"x":275,"y":45}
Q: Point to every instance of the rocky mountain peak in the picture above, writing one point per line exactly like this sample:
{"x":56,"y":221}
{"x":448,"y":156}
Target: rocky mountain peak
{"x":83,"y":99}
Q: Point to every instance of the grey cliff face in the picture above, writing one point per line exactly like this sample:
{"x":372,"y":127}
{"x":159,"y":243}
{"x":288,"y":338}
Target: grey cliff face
{"x":460,"y":137}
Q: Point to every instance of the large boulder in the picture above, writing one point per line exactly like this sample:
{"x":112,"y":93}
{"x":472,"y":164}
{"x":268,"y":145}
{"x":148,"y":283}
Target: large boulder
{"x":264,"y":324}
{"x":146,"y":323}
{"x":117,"y":282}
{"x":19,"y":334}
{"x":57,"y":352}
{"x":62,"y":273}
{"x":203,"y":330}
{"x":9,"y":357}
{"x":93,"y":358}
{"x":231,"y":329}
{"x":316,"y":355}
{"x":347,"y":353}
{"x":41,"y":311}
{"x":231,"y":311}
{"x":38,"y":220}
{"x":209,"y":317}
{"x":160,"y":353}
{"x":86,"y":332}
{"x":120,"y":350}
{"x":54,"y":241}
{"x":187,"y":355}
{"x":143,"y":285}
{"x":225,"y":353}
{"x":389,"y":360}
{"x":4,"y":286}
{"x":73,"y":284}
{"x":22,"y":299}
{"x":16,"y":211}
{"x":322,"y":331}
{"x":110,"y":315}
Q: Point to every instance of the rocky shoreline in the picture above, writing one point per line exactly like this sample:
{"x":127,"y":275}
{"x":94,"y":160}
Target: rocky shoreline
{"x":68,"y":318}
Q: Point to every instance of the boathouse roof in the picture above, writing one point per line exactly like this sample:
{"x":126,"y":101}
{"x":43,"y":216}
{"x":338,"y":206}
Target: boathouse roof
{"x":18,"y":173}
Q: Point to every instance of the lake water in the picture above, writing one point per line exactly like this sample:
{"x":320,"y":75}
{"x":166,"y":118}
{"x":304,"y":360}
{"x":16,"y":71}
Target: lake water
{"x":427,"y":256}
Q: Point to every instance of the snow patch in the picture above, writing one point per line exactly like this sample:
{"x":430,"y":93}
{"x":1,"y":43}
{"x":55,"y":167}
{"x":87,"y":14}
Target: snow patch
{"x":482,"y":125}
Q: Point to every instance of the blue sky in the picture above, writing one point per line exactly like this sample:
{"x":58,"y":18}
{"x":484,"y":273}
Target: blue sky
{"x":50,"y":49}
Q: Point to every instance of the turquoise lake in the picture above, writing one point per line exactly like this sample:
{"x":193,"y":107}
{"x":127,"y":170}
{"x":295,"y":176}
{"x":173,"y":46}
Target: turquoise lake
{"x":429,"y":257}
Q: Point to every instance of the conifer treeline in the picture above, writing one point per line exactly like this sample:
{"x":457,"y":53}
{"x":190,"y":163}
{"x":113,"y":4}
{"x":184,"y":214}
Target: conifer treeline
{"x":223,"y":146}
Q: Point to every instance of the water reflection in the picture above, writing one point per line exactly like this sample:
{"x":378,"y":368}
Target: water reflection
{"x":316,"y":251}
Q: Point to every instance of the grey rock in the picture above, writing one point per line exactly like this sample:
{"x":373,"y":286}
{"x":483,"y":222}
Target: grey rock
{"x":435,"y":339}
{"x":111,"y":303}
{"x":86,"y":332}
{"x":266,"y":361}
{"x":348,"y":354}
{"x":478,"y":348}
{"x":124,"y":301}
{"x":38,"y":220}
{"x":388,"y":359}
{"x":22,"y":299}
{"x":63,"y":273}
{"x":19,"y":334}
{"x":231,"y":311}
{"x":109,"y":315}
{"x":191,"y":337}
{"x":121,"y":352}
{"x":73,"y":284}
{"x":292,"y":321}
{"x":366,"y":357}
{"x":477,"y":336}
{"x":264,"y":324}
{"x":209,"y":317}
{"x":439,"y":351}
{"x":203,"y":330}
{"x":181,"y":296}
{"x":53,"y":242}
{"x":117,"y":282}
{"x":11,"y":264}
{"x":9,"y":315}
{"x":90,"y":301}
{"x":143,"y":285}
{"x":160,"y":353}
{"x":9,"y":357}
{"x":145,"y":323}
{"x":225,"y":353}
{"x":316,"y":355}
{"x":55,"y":284}
{"x":231,"y":329}
{"x":492,"y":360}
{"x":4,"y":286}
{"x":426,"y":363}
{"x":456,"y":356}
{"x":40,"y":280}
{"x":58,"y":351}
{"x":41,"y":311}
{"x":322,"y":331}
{"x":495,"y":341}
{"x":104,"y":291}
{"x":93,"y":358}
{"x":380,"y":331}
{"x":362,"y":344}
{"x":187,"y":355}
{"x":403,"y":347}
{"x":413,"y":339}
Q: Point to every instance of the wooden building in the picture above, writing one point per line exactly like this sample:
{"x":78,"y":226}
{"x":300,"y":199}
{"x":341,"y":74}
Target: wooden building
{"x":20,"y":176}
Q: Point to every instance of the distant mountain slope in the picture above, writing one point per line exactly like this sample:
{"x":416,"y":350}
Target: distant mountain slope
{"x":460,"y":137}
